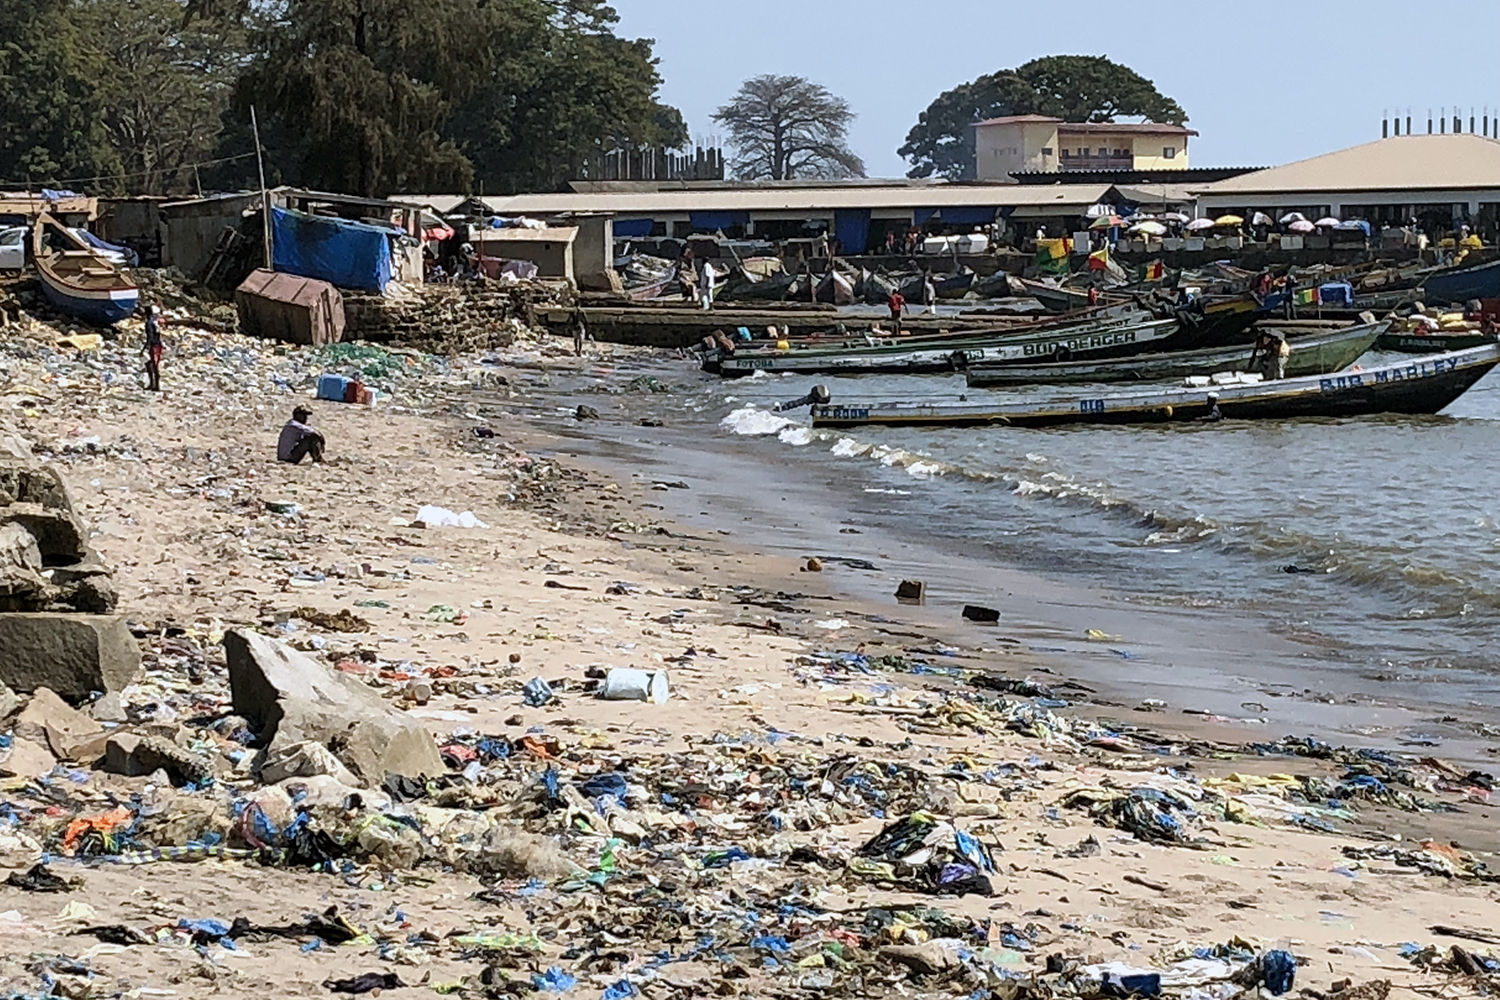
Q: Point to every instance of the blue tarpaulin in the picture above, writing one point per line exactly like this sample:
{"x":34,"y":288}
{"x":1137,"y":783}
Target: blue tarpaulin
{"x":710,"y":221}
{"x":344,"y":254}
{"x":852,"y":230}
{"x":634,"y":228}
{"x":969,"y":216}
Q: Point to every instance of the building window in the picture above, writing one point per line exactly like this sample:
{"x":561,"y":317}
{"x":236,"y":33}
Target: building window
{"x":1103,"y":151}
{"x":1067,"y":154}
{"x":1169,"y":153}
{"x":1046,"y":150}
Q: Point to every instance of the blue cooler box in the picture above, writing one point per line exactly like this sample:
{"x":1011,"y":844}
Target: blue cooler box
{"x":332,"y":387}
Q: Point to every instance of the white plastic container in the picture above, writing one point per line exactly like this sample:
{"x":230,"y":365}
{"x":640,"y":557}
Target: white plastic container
{"x":630,"y":684}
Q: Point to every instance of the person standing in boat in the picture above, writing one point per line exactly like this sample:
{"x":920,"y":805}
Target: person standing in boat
{"x":1290,"y":305}
{"x":153,"y":349}
{"x":706,"y":289}
{"x":929,"y":292}
{"x":897,"y":302}
{"x":1270,"y":356}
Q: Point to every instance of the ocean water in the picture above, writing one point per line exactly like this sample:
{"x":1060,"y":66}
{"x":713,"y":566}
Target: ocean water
{"x":1372,"y":543}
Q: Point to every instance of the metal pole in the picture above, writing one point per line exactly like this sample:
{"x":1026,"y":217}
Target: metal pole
{"x":265,"y":196}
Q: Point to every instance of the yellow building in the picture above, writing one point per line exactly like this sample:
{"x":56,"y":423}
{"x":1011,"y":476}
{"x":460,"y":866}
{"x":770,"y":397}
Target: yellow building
{"x":1038,"y":144}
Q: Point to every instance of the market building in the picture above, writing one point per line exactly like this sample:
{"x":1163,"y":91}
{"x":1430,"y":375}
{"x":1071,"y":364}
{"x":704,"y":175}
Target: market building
{"x":1441,"y":181}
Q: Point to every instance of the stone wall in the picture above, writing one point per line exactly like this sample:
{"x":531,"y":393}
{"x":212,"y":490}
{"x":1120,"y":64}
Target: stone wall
{"x":445,"y":318}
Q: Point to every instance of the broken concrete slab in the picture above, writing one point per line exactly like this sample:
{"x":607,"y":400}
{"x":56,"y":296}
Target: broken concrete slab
{"x":21,"y":577}
{"x":291,"y":698}
{"x":134,"y":755}
{"x":74,"y":655}
{"x":60,"y":535}
{"x":51,"y":722}
{"x":27,"y":759}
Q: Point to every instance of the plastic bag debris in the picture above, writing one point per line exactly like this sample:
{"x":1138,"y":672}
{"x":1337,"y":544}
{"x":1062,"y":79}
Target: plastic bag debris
{"x":441,"y":517}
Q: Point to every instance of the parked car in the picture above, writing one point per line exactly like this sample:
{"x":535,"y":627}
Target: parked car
{"x":13,"y":248}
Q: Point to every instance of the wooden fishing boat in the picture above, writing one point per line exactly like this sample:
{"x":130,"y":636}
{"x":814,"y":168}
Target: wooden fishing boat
{"x":996,"y":286}
{"x":1317,"y":354}
{"x":1053,"y":297}
{"x":953,"y":353}
{"x":76,"y":279}
{"x":945,"y":286}
{"x":876,"y":288}
{"x":743,"y":287}
{"x":1458,"y":285}
{"x":1418,"y":385}
{"x":835,"y":287}
{"x":1435,"y":343}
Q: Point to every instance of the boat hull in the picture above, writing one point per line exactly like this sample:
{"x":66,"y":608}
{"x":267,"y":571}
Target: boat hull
{"x":954,"y":354}
{"x":1457,"y":286}
{"x":1418,"y":386}
{"x":1408,"y":343}
{"x":1310,"y":356}
{"x":102,"y":307}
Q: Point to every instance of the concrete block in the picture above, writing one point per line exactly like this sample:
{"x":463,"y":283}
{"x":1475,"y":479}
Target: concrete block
{"x":74,"y":655}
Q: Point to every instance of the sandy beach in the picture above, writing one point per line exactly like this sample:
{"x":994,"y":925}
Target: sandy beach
{"x":802,"y":722}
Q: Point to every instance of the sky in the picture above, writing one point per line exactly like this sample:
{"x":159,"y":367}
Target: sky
{"x":1265,"y":83}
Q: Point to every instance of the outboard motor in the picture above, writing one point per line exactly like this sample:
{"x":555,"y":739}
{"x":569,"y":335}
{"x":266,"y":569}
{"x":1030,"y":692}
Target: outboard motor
{"x":818,"y":397}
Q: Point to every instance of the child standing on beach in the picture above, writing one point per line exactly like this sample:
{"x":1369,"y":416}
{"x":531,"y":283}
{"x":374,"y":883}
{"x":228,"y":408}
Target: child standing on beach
{"x":153,"y":350}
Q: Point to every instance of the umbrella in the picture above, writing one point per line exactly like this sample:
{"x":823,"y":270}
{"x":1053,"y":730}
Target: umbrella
{"x":1260,"y":219}
{"x":1229,"y":220}
{"x":1175,"y":217}
{"x":1198,"y":225}
{"x":1301,"y":226}
{"x":1327,"y":221}
{"x":1292,"y":217}
{"x":1150,"y":227}
{"x":1107,"y":222}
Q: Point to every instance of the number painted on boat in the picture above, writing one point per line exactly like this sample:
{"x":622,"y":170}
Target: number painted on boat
{"x":1091,"y":406}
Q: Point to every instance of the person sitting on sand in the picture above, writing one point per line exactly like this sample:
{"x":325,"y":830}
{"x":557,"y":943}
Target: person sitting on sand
{"x":299,"y":440}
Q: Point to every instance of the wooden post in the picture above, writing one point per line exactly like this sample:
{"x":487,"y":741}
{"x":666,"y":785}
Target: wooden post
{"x":265,"y":196}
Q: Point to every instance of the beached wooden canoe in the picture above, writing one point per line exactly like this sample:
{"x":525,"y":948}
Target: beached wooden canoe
{"x":908,"y":356}
{"x":77,"y":279}
{"x":1418,"y":385}
{"x":1316,"y":354}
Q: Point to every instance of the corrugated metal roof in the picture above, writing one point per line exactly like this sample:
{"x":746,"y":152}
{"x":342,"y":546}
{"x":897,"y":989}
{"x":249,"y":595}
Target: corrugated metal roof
{"x":1061,"y":196}
{"x":1402,"y":163}
{"x":1020,"y":119}
{"x":1115,"y":128}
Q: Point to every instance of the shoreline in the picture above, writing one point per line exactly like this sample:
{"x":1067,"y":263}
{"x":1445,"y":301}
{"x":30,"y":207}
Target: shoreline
{"x":1213,"y":661}
{"x":784,"y":745}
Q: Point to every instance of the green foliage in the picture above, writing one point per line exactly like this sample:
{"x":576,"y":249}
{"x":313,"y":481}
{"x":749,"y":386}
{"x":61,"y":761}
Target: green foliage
{"x":562,"y":90}
{"x":51,"y":99}
{"x":784,"y":127}
{"x":357,"y":96}
{"x":1074,"y":88}
{"x":167,"y":84}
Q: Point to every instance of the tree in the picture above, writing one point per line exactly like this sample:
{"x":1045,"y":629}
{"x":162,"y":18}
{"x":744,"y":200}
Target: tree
{"x":786,"y":126}
{"x":565,"y":91}
{"x":1073,"y":88}
{"x":358,"y":92}
{"x":166,"y":89}
{"x":375,"y":96}
{"x":51,"y":100}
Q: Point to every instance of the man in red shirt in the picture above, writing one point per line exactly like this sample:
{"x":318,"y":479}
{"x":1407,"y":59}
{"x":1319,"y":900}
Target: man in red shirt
{"x":898,"y":304}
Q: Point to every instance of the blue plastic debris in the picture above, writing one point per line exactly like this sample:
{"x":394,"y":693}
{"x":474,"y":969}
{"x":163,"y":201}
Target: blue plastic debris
{"x":619,"y":991}
{"x":554,"y":980}
{"x":1279,"y":970}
